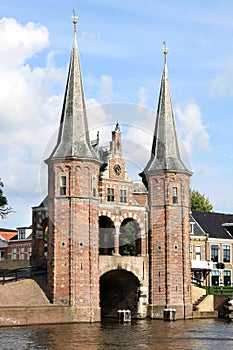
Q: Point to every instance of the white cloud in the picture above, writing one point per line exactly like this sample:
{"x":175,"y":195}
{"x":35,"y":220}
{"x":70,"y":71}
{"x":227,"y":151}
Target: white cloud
{"x":106,"y":90}
{"x":19,"y":42}
{"x":142,"y":96}
{"x":29,"y":113}
{"x":221,"y":85}
{"x":191,"y":128}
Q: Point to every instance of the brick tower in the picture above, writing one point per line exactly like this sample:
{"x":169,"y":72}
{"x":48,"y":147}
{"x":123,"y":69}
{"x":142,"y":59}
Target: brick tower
{"x":73,"y":204}
{"x":167,"y":180}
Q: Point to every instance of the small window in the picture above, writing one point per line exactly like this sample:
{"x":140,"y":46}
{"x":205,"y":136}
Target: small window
{"x":175,"y":195}
{"x":94,"y":186}
{"x":123,"y":196}
{"x":63,"y":186}
{"x":226,"y":253}
{"x":21,"y":254}
{"x":14,"y":253}
{"x":214,"y":253}
{"x":21,"y":234}
{"x":191,"y":228}
{"x":198,"y":253}
{"x":110,"y":194}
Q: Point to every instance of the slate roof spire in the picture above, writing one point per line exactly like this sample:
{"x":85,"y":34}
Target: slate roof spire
{"x":165,"y":154}
{"x":73,"y":139}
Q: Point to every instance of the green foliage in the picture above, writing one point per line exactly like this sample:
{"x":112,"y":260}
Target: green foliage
{"x":199,"y":202}
{"x":4,"y":208}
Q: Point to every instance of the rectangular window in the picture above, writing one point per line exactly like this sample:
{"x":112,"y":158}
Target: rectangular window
{"x":191,"y":228}
{"x":21,"y":253}
{"x":215,"y":277}
{"x":14,"y":253}
{"x":94,"y":186}
{"x":214,"y":253}
{"x":175,"y":195}
{"x":21,"y":234}
{"x":29,"y":253}
{"x":63,"y":185}
{"x":110,"y":194}
{"x":226,"y":253}
{"x":198,"y":253}
{"x":123,"y":196}
{"x":227,"y":278}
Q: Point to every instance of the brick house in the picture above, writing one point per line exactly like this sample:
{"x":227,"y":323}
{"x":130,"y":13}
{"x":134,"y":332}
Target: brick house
{"x":212,"y":247}
{"x":20,"y":246}
{"x":16,"y":244}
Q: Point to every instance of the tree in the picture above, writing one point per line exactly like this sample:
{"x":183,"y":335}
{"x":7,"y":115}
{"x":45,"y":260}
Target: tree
{"x":4,"y":208}
{"x":199,"y":202}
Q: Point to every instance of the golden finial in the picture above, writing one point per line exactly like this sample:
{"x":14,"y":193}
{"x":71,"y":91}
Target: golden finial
{"x":74,"y":19}
{"x":165,"y":50}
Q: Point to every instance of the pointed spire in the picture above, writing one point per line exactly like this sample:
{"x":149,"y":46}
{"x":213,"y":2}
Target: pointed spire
{"x":73,"y":138}
{"x":116,"y":143}
{"x":165,"y":154}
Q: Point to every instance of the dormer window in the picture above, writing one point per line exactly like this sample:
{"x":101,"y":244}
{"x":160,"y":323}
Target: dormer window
{"x":191,"y":228}
{"x":174,"y":195}
{"x":63,"y":185}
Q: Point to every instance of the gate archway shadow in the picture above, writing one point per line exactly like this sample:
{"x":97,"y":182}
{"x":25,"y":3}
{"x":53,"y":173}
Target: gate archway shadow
{"x":118,"y":290}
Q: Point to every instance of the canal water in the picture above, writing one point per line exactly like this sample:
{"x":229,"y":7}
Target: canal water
{"x":143,"y":334}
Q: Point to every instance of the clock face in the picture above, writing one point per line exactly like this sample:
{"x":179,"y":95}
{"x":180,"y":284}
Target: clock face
{"x":117,"y":169}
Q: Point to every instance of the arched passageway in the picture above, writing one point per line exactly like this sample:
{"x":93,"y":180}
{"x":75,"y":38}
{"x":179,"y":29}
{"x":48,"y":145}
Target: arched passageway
{"x":130,"y":240}
{"x":118,"y":290}
{"x":106,"y":235}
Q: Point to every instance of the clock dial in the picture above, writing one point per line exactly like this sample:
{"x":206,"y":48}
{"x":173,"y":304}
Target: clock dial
{"x":117,"y":169}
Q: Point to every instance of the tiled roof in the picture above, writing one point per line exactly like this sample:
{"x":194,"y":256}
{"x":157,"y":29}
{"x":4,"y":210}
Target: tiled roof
{"x":212,"y":223}
{"x":7,"y":233}
{"x":198,"y":231}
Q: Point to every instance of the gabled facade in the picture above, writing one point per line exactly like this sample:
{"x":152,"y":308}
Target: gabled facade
{"x":212,"y":247}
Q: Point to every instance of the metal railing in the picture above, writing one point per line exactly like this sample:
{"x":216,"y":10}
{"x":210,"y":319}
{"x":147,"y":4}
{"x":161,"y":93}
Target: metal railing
{"x":13,"y":275}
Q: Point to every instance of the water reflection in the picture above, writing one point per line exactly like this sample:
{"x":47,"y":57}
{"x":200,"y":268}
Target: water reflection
{"x":145,"y":334}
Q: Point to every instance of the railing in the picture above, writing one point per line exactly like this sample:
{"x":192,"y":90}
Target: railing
{"x":196,"y":282}
{"x":14,"y":275}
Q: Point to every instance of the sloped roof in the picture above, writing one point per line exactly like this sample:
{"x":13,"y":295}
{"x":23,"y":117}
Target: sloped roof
{"x":73,"y":138}
{"x":212,"y":223}
{"x":165,"y":153}
{"x":8,"y":233}
{"x":198,"y":231}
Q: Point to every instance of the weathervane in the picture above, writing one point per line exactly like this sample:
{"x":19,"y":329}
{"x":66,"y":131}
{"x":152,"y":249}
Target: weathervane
{"x":74,"y":19}
{"x":165,"y":50}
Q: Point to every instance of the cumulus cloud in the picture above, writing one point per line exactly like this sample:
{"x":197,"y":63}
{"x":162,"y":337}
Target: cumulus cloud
{"x":29,"y":112}
{"x":191,"y":128}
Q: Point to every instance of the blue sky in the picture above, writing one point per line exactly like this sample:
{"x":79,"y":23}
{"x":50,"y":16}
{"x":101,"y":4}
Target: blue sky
{"x":120,"y":44}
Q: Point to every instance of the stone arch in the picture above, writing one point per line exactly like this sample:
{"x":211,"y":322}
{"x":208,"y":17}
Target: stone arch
{"x":119,"y":289}
{"x":106,"y":235}
{"x":130,"y":237}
